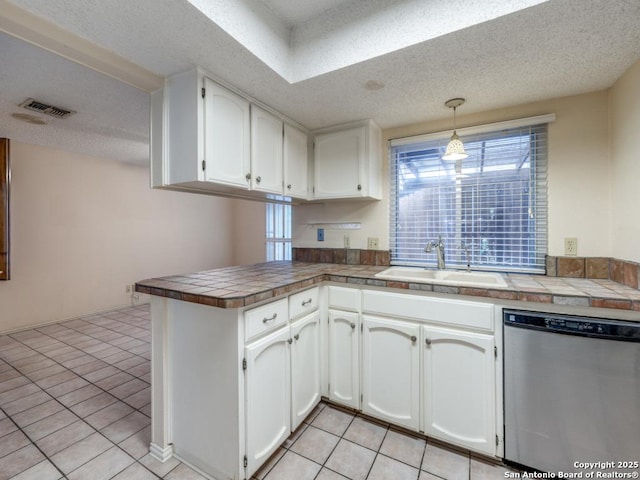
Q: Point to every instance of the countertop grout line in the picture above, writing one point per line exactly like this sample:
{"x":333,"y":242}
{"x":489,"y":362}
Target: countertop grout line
{"x":247,"y":285}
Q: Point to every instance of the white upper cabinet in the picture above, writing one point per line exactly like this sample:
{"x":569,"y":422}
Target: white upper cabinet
{"x":266,"y":151}
{"x":210,"y":139}
{"x":347,"y":163}
{"x":296,"y":161}
{"x":226,"y":136}
{"x":200,"y":136}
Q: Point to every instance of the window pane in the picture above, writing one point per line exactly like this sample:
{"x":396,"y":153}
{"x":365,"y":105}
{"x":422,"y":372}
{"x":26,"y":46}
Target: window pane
{"x":491,"y":205}
{"x":278,"y":232}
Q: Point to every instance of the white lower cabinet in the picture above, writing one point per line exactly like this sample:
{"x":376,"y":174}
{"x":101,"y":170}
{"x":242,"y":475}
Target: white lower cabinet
{"x":305,"y":367}
{"x":267,"y":396}
{"x":344,"y":357}
{"x":231,"y":384}
{"x":391,"y":370}
{"x":459,"y":388}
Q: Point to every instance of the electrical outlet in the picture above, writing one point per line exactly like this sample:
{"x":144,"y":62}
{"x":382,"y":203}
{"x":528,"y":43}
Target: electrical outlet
{"x":128,"y":289}
{"x":571,"y":246}
{"x":320,"y":237}
{"x":372,"y":243}
{"x":347,"y":241}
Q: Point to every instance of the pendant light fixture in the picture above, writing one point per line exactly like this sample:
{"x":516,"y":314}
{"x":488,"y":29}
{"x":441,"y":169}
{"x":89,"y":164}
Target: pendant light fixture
{"x":455,"y":148}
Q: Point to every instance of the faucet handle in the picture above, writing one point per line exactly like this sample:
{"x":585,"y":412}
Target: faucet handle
{"x":428,"y":247}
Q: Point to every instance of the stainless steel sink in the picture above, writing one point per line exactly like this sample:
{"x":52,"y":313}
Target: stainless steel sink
{"x":444,"y":277}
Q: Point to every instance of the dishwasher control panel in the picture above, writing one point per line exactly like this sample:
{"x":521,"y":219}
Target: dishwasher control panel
{"x":574,"y":325}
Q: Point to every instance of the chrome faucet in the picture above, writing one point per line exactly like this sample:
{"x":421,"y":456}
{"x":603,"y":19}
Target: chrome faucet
{"x":465,"y":246}
{"x":439,"y":244}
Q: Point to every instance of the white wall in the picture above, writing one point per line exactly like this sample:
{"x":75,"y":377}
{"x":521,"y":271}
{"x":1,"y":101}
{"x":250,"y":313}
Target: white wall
{"x":579,"y":203}
{"x":82,"y":228}
{"x":249,"y":232}
{"x":625,"y":165}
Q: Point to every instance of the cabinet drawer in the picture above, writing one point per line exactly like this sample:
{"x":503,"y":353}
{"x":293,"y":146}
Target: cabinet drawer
{"x":344,"y":298}
{"x":264,"y":318}
{"x":302,"y":303}
{"x":436,"y":310}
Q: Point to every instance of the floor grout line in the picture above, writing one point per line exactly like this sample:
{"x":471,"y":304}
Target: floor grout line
{"x":21,"y":344}
{"x":72,"y":337}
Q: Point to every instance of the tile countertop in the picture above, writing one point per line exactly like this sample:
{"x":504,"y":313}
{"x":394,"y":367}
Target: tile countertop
{"x":236,"y":287}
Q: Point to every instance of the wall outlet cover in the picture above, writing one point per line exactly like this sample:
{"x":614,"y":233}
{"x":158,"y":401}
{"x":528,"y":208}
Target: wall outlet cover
{"x":321,"y":234}
{"x":347,"y":241}
{"x":372,"y":243}
{"x":571,"y":246}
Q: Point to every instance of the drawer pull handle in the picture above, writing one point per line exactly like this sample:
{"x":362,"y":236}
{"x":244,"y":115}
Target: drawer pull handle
{"x":413,"y":339}
{"x":306,"y":302}
{"x":296,"y":337}
{"x":270,"y":319}
{"x":353,"y":326}
{"x":428,"y":341}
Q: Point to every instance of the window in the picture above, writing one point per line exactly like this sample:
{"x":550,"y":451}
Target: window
{"x":490,"y":209}
{"x":278,"y":232}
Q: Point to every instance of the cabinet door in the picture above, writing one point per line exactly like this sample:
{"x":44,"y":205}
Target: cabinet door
{"x":390,"y":370}
{"x":226,"y":136}
{"x":344,"y":364}
{"x":305,"y":367}
{"x":267,"y":397}
{"x":339,"y":164}
{"x":459,"y":386}
{"x":296,"y":160}
{"x":266,"y":151}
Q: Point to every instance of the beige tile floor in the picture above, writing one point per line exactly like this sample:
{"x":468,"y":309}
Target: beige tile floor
{"x":75,"y":404}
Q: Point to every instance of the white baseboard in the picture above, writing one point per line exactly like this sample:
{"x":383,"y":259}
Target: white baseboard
{"x":159,"y":453}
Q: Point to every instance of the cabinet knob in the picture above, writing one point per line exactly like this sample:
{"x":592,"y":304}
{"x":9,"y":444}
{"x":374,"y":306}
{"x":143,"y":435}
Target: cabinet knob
{"x":289,"y":186}
{"x":359,"y":187}
{"x":296,"y":336}
{"x":428,"y":341}
{"x":306,"y":302}
{"x":290,"y":341}
{"x":413,"y":339}
{"x":353,"y":326}
{"x":248,"y":176}
{"x":258,"y":179}
{"x":270,"y":319}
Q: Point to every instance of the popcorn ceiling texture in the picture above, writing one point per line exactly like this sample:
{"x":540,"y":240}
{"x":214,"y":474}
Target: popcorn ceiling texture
{"x":497,"y":54}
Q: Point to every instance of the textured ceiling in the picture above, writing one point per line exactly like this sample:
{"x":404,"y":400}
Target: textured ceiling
{"x":294,"y":12}
{"x":311,"y":60}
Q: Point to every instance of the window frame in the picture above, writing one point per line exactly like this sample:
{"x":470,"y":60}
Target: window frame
{"x":278,"y":232}
{"x":534,"y":246}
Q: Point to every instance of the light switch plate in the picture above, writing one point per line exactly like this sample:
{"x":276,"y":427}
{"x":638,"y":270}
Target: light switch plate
{"x":372,"y":243}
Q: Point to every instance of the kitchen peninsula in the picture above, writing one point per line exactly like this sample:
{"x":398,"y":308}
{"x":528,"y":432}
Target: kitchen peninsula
{"x":241,"y":355}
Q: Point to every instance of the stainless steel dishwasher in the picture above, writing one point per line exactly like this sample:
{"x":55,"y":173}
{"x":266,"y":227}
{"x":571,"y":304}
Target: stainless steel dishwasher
{"x":571,"y":392}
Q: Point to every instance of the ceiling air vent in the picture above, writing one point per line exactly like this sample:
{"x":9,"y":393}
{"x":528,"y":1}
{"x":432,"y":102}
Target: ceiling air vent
{"x":36,"y":106}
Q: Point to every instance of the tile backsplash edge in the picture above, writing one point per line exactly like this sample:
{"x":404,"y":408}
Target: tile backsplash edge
{"x":344,"y":256}
{"x":606,"y":268}
{"x":620,"y":271}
